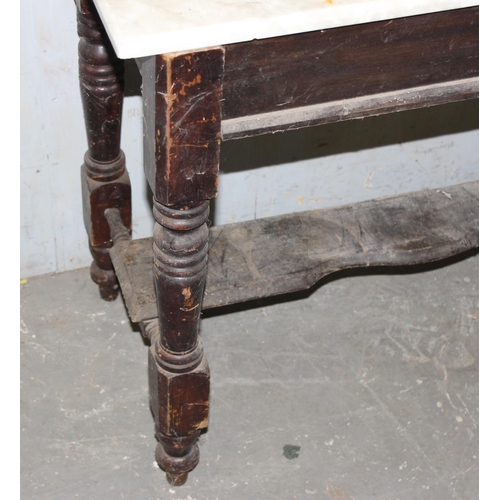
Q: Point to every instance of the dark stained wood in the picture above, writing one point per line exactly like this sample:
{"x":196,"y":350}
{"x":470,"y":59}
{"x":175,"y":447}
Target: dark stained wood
{"x":105,"y":182}
{"x":182,"y":118}
{"x":276,"y":255}
{"x":85,"y":6}
{"x":98,"y":196}
{"x":119,"y":231}
{"x":349,"y":62}
{"x":180,"y":248}
{"x":178,"y":371}
{"x":350,"y":109}
{"x":179,"y":390}
{"x":183,"y":124}
{"x":101,"y":86}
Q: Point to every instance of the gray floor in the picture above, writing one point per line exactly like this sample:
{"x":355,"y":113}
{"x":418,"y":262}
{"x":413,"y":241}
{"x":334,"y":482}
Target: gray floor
{"x":373,"y":376}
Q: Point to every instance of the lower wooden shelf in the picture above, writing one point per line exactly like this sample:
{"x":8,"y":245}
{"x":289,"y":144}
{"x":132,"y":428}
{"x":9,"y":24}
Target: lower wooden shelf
{"x":277,"y":255}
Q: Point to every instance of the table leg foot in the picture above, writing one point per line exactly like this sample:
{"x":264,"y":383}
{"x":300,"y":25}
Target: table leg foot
{"x":176,"y":479}
{"x":181,"y":460}
{"x":103,"y":274}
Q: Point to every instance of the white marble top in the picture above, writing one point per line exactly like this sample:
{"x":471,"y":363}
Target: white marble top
{"x":140,"y":28}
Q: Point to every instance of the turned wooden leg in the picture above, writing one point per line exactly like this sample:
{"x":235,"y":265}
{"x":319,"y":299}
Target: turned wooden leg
{"x":182,"y":116}
{"x":105,"y":181}
{"x":178,"y":371}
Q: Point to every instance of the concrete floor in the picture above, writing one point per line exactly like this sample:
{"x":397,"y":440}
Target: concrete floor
{"x":364,"y":388}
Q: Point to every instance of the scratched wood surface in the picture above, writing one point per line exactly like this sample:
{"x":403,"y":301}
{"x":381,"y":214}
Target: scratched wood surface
{"x":342,"y":63}
{"x":182,"y":114}
{"x":186,"y":95}
{"x":105,"y":181}
{"x":277,"y":255}
{"x":350,"y":109}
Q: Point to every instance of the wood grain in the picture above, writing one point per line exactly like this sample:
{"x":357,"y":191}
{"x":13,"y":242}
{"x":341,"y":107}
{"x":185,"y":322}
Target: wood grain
{"x":182,"y":112}
{"x":105,"y":181}
{"x":344,"y":63}
{"x":277,"y":255}
{"x":350,"y":109}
